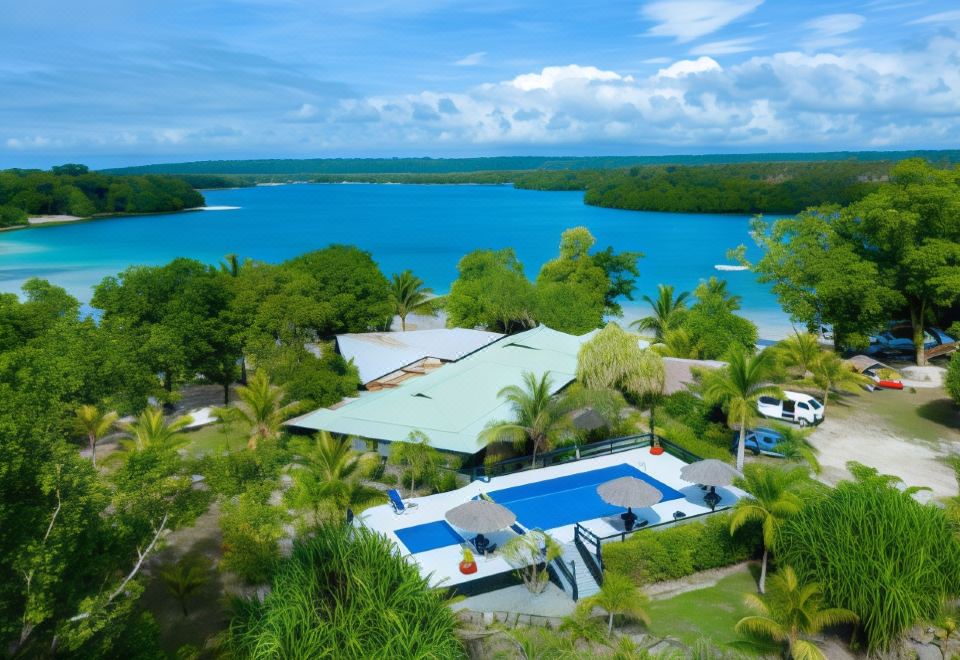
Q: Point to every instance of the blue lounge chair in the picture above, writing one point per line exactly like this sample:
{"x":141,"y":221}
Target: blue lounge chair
{"x":398,"y":505}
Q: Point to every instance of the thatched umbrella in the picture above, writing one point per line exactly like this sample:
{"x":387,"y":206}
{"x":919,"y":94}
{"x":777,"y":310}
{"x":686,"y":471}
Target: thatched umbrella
{"x":480,"y":516}
{"x":629,"y":492}
{"x":709,"y":472}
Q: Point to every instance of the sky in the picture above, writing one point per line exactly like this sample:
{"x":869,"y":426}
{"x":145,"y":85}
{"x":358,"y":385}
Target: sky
{"x":116,"y":82}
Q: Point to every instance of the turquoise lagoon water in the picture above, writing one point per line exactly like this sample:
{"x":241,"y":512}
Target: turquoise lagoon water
{"x":425,"y":228}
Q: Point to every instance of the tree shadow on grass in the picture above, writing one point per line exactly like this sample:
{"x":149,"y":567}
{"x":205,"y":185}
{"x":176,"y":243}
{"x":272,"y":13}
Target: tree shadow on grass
{"x":941,"y":411}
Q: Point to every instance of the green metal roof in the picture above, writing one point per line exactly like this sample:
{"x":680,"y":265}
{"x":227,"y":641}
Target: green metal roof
{"x":453,"y":404}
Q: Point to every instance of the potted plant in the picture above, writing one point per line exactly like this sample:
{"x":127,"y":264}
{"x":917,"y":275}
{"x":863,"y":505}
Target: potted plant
{"x":468,"y":565}
{"x":655,"y":447}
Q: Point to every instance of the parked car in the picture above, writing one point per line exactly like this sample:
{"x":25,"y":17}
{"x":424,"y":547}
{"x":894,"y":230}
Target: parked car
{"x":796,"y":407}
{"x":898,"y":338}
{"x":761,"y":440}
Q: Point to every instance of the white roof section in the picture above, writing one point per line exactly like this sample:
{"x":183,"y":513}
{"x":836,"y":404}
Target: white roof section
{"x":377,"y":354}
{"x":453,"y":405}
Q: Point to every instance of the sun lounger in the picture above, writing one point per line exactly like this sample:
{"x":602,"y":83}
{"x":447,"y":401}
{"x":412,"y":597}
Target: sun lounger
{"x":398,"y":505}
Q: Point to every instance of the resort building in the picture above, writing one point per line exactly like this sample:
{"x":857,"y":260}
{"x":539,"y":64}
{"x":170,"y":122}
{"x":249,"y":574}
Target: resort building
{"x":451,"y":403}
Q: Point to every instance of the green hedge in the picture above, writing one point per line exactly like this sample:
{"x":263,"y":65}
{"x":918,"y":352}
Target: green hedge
{"x":668,"y":554}
{"x":953,"y":378}
{"x":713,"y":443}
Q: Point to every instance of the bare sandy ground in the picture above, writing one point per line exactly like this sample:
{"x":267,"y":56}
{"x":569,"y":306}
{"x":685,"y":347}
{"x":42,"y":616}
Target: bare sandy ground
{"x":891,"y":435}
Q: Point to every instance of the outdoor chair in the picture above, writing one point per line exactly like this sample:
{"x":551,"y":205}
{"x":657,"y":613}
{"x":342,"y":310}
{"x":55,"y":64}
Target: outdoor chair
{"x":398,"y":505}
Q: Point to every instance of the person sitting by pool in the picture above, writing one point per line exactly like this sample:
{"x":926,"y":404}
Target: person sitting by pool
{"x":629,"y":519}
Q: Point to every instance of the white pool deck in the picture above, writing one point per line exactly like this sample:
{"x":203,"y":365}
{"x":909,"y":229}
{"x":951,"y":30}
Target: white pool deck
{"x":442,"y":564}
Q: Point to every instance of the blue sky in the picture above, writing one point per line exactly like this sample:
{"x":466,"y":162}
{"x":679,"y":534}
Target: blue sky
{"x":112,"y":82}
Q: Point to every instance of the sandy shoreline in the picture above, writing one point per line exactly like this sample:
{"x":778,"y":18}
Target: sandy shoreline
{"x":53,"y":219}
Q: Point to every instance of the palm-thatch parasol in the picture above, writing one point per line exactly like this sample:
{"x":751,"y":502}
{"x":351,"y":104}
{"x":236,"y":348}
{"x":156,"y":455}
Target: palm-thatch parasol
{"x":480,"y":516}
{"x":709,"y":472}
{"x":629,"y":492}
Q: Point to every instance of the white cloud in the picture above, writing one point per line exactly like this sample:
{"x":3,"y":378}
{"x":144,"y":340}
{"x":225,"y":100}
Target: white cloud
{"x":551,"y":76}
{"x":942,"y":17}
{"x":29,"y":142}
{"x":726,"y":47}
{"x":304,"y":112}
{"x":687,"y":20}
{"x":473,"y":59}
{"x":828,"y":30}
{"x":656,"y":60}
{"x":689,"y":67}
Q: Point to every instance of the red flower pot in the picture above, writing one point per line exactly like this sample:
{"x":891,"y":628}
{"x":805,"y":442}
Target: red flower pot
{"x":468,"y":568}
{"x":656,"y":451}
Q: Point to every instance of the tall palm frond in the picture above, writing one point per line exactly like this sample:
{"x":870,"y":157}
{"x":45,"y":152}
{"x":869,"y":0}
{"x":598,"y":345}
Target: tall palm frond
{"x":799,"y":352}
{"x":831,"y":373}
{"x":151,"y":428}
{"x":738,"y":387}
{"x":667,"y":311}
{"x":620,"y":596}
{"x":410,"y":296}
{"x":261,"y":406}
{"x":715,"y":292}
{"x":93,"y":423}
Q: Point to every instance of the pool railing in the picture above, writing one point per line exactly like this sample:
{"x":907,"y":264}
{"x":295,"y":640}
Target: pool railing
{"x":570,"y":454}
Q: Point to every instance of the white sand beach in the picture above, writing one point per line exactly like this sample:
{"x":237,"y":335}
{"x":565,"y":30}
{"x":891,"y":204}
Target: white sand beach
{"x":53,"y":219}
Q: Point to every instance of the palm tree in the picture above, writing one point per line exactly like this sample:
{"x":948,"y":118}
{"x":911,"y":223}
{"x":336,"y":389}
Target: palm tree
{"x":795,"y":446}
{"x":679,"y":343}
{"x":409,"y":296}
{"x":232,"y":264}
{"x":539,"y":417}
{"x":737,"y":387}
{"x":185,"y":577}
{"x":801,"y":351}
{"x":152,"y":429}
{"x":619,"y":595}
{"x":261,"y":406}
{"x":772,"y":499}
{"x":715,"y":291}
{"x":791,"y":614}
{"x":329,"y":472}
{"x":666,"y":311}
{"x":94,"y":424}
{"x":419,"y":457}
{"x":832,"y":373}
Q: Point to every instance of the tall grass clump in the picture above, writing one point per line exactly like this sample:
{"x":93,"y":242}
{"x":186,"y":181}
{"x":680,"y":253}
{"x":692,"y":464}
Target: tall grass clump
{"x":345,"y":594}
{"x":876,"y":551}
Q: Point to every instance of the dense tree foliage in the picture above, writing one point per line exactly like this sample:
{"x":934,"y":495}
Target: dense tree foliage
{"x":73,"y":190}
{"x":491,"y":292}
{"x":952,"y":381}
{"x":347,"y":591}
{"x":893,"y":254}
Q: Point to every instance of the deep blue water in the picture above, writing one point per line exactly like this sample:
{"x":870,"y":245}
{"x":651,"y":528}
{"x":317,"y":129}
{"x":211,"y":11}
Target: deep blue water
{"x":425,"y":228}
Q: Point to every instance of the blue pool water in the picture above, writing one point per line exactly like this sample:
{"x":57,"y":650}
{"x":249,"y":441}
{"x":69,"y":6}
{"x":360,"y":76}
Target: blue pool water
{"x":567,"y":500}
{"x":425,"y":228}
{"x":428,"y":536}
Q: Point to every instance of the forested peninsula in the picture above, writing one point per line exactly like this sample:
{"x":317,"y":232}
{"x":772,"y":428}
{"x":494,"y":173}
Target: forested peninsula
{"x":72,"y":190}
{"x":731,"y":183}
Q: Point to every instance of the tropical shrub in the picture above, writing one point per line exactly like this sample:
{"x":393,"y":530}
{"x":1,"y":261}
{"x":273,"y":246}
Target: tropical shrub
{"x":252,"y":530}
{"x":345,"y":592}
{"x":702,"y":446}
{"x":952,"y":382}
{"x":876,"y":551}
{"x":229,"y":475}
{"x":687,"y":408}
{"x":668,"y":554}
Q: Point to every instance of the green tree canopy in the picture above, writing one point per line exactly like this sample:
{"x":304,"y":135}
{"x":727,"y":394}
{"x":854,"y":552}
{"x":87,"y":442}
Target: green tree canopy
{"x":491,"y":291}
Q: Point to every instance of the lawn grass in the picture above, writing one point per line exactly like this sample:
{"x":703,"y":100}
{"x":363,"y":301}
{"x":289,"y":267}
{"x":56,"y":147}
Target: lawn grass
{"x":709,"y":613}
{"x":211,"y":439}
{"x":924,"y":414}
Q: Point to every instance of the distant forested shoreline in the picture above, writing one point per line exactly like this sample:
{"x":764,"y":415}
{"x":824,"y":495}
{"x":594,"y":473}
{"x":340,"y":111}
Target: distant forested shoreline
{"x":74,"y":190}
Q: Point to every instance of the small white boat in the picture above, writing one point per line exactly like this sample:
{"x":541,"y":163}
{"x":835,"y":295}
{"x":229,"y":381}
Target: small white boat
{"x":730,"y":267}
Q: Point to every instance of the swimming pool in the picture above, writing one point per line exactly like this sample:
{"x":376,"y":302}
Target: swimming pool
{"x":570,"y":499}
{"x":429,"y":536}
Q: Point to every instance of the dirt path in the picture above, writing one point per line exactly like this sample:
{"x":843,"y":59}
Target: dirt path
{"x":906,"y":434}
{"x":701,"y":580}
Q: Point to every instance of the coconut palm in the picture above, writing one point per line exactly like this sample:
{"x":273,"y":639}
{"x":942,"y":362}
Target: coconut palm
{"x":800,"y":351}
{"x":666,"y":311}
{"x":329,"y":474}
{"x":791,"y":614}
{"x":772,"y":498}
{"x":794,"y":445}
{"x":94,"y":424}
{"x":261,"y":406}
{"x":737,"y":387}
{"x":185,"y":577}
{"x":540,"y":418}
{"x":151,"y":428}
{"x":679,"y":343}
{"x":232,"y":265}
{"x":417,"y":455}
{"x":619,"y":596}
{"x":410,"y":296}
{"x":830,"y":373}
{"x":714,"y":291}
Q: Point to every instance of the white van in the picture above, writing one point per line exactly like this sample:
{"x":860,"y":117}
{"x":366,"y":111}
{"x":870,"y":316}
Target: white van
{"x":800,"y":408}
